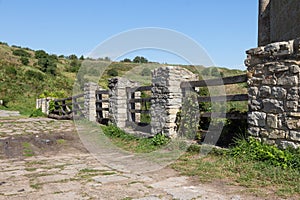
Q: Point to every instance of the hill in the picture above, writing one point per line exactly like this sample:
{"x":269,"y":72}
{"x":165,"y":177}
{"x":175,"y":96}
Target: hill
{"x":26,"y":74}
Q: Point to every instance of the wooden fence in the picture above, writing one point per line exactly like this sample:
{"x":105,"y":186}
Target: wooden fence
{"x":139,"y":104}
{"x":67,"y":108}
{"x":102,"y":106}
{"x":228,"y":98}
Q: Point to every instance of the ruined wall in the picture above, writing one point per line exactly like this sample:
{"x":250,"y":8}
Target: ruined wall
{"x":167,"y":98}
{"x":274,"y":104}
{"x":278,"y":21}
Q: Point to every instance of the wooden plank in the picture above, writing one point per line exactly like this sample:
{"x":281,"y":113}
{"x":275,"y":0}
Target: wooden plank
{"x":103,"y":100}
{"x":143,"y":88}
{"x":215,"y":82}
{"x":233,"y":115}
{"x":102,"y":92}
{"x":102,"y":109}
{"x":77,"y":96}
{"x":140,"y":100}
{"x":234,"y":97}
{"x":139,"y":111}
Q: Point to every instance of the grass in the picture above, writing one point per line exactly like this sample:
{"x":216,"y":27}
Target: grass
{"x":61,"y":141}
{"x":27,"y":151}
{"x":133,"y":143}
{"x":255,"y":176}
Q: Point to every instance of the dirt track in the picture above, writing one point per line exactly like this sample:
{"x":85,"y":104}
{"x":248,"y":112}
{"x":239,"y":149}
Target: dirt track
{"x":44,"y":159}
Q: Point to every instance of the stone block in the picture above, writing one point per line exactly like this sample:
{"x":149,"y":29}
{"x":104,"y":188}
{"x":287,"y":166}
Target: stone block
{"x":257,"y":119}
{"x":272,"y":106}
{"x":295,"y":69}
{"x":255,"y":105}
{"x":277,"y":134}
{"x":287,"y":144}
{"x":254,"y":131}
{"x":288,"y":80}
{"x":269,"y":80}
{"x":294,"y":135}
{"x":253,"y":91}
{"x":265,"y":91}
{"x":293,"y":123}
{"x":272,"y":121}
{"x":293,"y":93}
{"x":292,"y":106}
{"x":279,"y":92}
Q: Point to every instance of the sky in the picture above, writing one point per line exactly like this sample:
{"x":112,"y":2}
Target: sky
{"x":224,"y":29}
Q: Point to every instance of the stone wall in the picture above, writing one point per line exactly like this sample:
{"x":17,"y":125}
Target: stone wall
{"x":167,"y":98}
{"x":118,"y":100}
{"x":274,"y":109}
{"x":90,"y":101}
{"x":278,"y":20}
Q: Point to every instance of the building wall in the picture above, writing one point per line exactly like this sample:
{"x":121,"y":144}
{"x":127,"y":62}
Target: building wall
{"x":278,"y":21}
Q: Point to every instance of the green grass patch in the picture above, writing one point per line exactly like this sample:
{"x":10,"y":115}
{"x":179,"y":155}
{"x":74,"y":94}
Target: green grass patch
{"x":133,"y":143}
{"x":27,"y":151}
{"x":246,"y":165}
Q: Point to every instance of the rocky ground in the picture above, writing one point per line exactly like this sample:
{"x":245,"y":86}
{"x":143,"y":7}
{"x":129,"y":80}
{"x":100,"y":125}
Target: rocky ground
{"x":44,"y":159}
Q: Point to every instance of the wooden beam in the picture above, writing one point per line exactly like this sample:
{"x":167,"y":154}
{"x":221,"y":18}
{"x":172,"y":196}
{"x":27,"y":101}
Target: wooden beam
{"x":140,"y":100}
{"x":234,"y":97}
{"x":215,"y":82}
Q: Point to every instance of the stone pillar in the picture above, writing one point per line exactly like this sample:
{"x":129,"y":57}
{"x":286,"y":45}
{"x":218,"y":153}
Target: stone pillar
{"x":264,"y":22}
{"x":90,"y":101}
{"x":118,"y":100}
{"x":43,"y":103}
{"x":274,"y":111}
{"x":167,"y":98}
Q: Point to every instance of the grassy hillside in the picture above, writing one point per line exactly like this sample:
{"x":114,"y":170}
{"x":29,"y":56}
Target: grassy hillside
{"x":25,"y":74}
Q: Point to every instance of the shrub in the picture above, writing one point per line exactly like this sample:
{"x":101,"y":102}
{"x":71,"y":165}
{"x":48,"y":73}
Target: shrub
{"x":24,"y":60}
{"x":21,"y":53}
{"x":40,"y":54}
{"x":34,"y":74}
{"x":146,"y":72}
{"x":160,"y":139}
{"x":253,"y":149}
{"x":37,"y":113}
{"x":112,"y":72}
{"x":10,"y":70}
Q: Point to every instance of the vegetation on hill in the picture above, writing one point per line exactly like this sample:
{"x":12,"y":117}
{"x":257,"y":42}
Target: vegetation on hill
{"x":25,"y":74}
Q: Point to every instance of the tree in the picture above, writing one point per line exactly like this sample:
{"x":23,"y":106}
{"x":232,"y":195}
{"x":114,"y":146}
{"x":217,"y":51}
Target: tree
{"x":40,"y":54}
{"x":140,"y":59}
{"x":81,"y":57}
{"x":126,"y":60}
{"x":73,"y":57}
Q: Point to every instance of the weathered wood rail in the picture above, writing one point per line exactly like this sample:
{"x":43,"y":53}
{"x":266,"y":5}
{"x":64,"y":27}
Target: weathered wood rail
{"x":138,"y":106}
{"x":67,"y":108}
{"x":191,"y":85}
{"x":102,"y":106}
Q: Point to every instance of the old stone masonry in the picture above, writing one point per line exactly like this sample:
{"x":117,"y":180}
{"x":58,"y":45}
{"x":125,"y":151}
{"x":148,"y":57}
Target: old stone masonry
{"x":274,"y":109}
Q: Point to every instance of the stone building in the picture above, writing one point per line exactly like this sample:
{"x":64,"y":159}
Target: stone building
{"x":274,"y":74}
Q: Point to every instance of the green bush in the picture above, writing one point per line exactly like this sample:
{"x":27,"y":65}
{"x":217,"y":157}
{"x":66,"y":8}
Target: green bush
{"x":146,"y":72}
{"x":112,"y":72}
{"x":160,"y":139}
{"x":40,"y":54}
{"x":34,"y":75}
{"x":253,"y":149}
{"x":37,"y":113}
{"x":21,"y":53}
{"x":24,"y":60}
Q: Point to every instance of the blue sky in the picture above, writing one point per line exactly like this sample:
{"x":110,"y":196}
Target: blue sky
{"x":225,"y":29}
